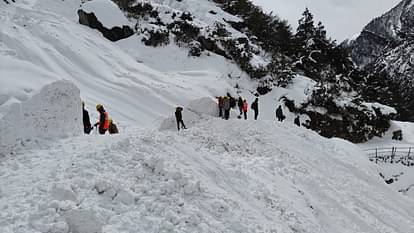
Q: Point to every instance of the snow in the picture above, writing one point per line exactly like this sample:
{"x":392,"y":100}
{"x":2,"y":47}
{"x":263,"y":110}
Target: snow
{"x":107,"y":12}
{"x":403,"y":176}
{"x":216,"y":176}
{"x":40,"y":47}
{"x":198,"y":110}
{"x":53,"y":113}
{"x":385,"y":110}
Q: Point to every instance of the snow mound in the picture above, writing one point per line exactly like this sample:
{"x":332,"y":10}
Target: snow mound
{"x":107,"y":13}
{"x":196,"y":111}
{"x":205,"y":106}
{"x":51,"y":114}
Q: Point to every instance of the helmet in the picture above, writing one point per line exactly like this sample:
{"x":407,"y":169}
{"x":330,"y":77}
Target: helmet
{"x":99,"y":106}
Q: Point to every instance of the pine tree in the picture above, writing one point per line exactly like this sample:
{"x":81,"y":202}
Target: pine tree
{"x":306,"y":29}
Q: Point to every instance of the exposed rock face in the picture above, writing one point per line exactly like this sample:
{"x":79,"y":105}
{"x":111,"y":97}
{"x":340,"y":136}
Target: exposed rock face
{"x":384,"y":33}
{"x":385,"y":49}
{"x":113,"y":34}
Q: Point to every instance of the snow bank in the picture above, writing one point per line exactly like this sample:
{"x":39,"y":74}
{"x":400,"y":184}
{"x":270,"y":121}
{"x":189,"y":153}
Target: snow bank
{"x":51,"y":114}
{"x":197,"y":110}
{"x":107,"y":13}
{"x":205,"y":106}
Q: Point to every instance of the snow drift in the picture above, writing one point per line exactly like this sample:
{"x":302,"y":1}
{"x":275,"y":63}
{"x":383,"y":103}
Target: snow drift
{"x":217,"y":176}
{"x":53,"y":113}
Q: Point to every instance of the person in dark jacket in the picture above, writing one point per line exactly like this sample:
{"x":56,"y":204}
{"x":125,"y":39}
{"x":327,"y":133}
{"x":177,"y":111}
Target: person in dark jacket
{"x":279,"y":114}
{"x":113,"y":129}
{"x":103,"y":123}
{"x":87,"y":126}
{"x":220,"y":105}
{"x":226,"y":107}
{"x":297,"y":121}
{"x":179,"y":118}
{"x":255,"y":107}
{"x":240,"y":105}
{"x":232,"y":102}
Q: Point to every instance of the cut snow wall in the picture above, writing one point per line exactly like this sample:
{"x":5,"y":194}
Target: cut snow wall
{"x":197,"y":110}
{"x":53,"y":113}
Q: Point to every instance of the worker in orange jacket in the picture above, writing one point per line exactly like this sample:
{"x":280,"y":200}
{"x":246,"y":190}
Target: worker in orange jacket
{"x":103,"y":123}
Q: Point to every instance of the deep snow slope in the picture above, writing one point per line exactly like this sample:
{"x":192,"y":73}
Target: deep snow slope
{"x":41,"y":42}
{"x":218,"y":176}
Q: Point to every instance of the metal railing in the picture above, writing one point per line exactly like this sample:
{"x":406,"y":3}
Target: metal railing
{"x":402,"y":155}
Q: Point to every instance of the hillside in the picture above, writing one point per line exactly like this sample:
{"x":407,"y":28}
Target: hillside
{"x":217,"y":176}
{"x":42,"y":42}
{"x":175,"y":51}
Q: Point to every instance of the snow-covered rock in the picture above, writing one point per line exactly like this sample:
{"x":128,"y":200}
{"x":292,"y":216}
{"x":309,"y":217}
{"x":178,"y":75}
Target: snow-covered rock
{"x":53,"y":113}
{"x":107,"y":13}
{"x":105,"y":16}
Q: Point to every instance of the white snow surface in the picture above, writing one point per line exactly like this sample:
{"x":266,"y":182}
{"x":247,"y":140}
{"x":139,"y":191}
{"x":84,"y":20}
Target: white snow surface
{"x":384,"y":109}
{"x":51,"y":114}
{"x":107,"y":12}
{"x":218,"y":176}
{"x":403,"y":176}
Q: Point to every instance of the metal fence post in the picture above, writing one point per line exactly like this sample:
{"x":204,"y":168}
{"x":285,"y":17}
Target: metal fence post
{"x":393,"y":154}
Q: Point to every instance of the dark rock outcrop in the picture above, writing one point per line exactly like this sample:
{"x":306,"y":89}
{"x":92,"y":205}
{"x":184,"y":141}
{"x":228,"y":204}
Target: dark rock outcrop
{"x":385,"y":49}
{"x":384,"y":33}
{"x":113,"y":34}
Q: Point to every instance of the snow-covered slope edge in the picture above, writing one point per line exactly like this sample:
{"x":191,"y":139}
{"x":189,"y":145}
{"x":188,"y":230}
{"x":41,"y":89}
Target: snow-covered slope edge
{"x":218,"y":176}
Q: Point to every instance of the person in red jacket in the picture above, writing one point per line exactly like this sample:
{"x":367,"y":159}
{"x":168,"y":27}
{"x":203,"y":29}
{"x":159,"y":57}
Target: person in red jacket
{"x":245,"y":108}
{"x":103,"y":123}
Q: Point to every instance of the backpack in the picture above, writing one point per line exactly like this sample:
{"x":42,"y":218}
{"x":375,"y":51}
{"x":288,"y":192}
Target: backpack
{"x":232,"y":102}
{"x":254,"y":105}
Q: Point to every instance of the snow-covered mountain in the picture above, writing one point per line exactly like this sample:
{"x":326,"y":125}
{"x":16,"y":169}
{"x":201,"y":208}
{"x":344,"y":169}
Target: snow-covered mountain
{"x":384,"y":32}
{"x":385,"y":49}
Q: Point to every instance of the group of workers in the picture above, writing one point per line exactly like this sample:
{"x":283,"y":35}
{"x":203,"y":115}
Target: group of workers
{"x":103,"y":125}
{"x":226,"y":103}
